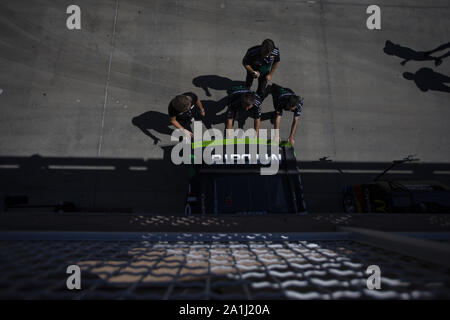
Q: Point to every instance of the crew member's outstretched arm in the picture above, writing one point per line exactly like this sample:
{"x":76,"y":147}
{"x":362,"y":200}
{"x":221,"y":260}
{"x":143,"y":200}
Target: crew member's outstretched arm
{"x":257,"y":124}
{"x":200,"y":106}
{"x":276,"y":126}
{"x":272,"y":71}
{"x":228,"y":125}
{"x":177,"y":125}
{"x":293,"y":128}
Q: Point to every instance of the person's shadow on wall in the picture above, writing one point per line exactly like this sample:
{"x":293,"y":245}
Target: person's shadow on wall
{"x":408,"y":54}
{"x":427,"y":79}
{"x":153,"y":120}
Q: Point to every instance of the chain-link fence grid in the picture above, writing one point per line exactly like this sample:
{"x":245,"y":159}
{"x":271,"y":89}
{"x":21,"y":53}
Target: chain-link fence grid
{"x":223,"y":269}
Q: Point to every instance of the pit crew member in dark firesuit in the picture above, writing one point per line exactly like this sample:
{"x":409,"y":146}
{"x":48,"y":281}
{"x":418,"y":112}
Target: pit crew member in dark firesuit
{"x":284,"y":99}
{"x":181,"y":111}
{"x":240,"y":100}
{"x":260,"y":62}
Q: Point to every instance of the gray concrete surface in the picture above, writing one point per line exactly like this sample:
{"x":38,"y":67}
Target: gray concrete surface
{"x":75,"y":93}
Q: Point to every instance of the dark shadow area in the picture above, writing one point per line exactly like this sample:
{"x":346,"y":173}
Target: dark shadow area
{"x":153,"y":120}
{"x":241,"y":118}
{"x":270,"y":115}
{"x":427,"y":79}
{"x":215,"y":82}
{"x":324,"y":180}
{"x":93,"y":185}
{"x":214,"y":112}
{"x":440,"y":48}
{"x":157,"y":186}
{"x":408,"y":54}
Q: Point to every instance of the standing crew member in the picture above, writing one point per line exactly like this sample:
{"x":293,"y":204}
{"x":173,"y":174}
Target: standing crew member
{"x":181,"y":111}
{"x":286,"y":99}
{"x":244,"y":100}
{"x":261,"y":62}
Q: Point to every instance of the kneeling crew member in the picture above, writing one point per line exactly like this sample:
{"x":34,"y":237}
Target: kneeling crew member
{"x":181,"y":111}
{"x":243,"y":100}
{"x":286,"y":99}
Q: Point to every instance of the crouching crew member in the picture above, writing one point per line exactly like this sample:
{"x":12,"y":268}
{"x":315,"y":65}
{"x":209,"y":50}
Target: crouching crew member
{"x":181,"y":111}
{"x":286,"y":99}
{"x":261,"y":62}
{"x":242,"y":99}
